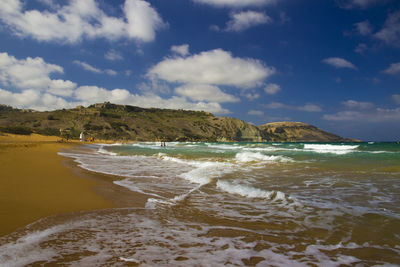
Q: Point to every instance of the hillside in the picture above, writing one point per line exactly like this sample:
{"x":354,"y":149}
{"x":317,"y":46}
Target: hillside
{"x":122,"y":122}
{"x":299,"y":132}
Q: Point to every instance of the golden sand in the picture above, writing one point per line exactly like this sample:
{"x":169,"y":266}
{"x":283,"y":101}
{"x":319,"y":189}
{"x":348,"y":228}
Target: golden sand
{"x":34,"y":182}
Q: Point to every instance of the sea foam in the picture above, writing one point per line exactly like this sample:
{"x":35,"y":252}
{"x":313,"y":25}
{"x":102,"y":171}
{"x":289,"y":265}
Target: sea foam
{"x":327,"y":148}
{"x":259,"y":157}
{"x":249,"y":191}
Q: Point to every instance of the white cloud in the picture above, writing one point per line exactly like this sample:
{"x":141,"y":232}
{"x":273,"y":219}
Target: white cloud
{"x":143,"y":20}
{"x":364,"y":27}
{"x":255,"y":112}
{"x":36,"y":90}
{"x":244,"y":20}
{"x":338,"y":62}
{"x":373,"y":115}
{"x":361,"y":48}
{"x":61,"y":87}
{"x":251,"y":96}
{"x":110,"y":72}
{"x":32,"y":73}
{"x":34,"y":99}
{"x":90,"y":68}
{"x":309,"y":107}
{"x":182,"y":50}
{"x":81,"y":19}
{"x":216,"y":67}
{"x":352,"y":104}
{"x":272,"y":88}
{"x":390,"y":33}
{"x":394,"y":69}
{"x":113,"y":55}
{"x":236,"y":3}
{"x":396,"y":99}
{"x":366,"y":112}
{"x":205,"y":92}
{"x":90,"y":94}
{"x":87,"y":66}
{"x":349,"y":4}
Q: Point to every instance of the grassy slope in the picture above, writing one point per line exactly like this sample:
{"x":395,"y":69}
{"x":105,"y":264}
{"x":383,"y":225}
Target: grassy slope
{"x":119,"y":122}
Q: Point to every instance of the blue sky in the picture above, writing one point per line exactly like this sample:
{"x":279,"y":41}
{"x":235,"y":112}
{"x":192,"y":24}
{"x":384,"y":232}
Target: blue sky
{"x":332,"y":63}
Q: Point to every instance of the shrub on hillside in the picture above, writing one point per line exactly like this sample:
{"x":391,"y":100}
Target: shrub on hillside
{"x":16,"y":130}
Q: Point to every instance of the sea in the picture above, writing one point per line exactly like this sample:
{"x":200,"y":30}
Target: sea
{"x":229,"y":204}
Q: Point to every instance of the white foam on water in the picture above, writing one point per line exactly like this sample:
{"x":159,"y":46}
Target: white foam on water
{"x":101,"y":150}
{"x":225,"y":147}
{"x":206,"y":172}
{"x":129,"y":260}
{"x":203,"y":172}
{"x":128,"y":184}
{"x":333,"y":149}
{"x":19,"y":253}
{"x":267,"y":149}
{"x":249,"y":191}
{"x":126,"y":236}
{"x":259,"y":157}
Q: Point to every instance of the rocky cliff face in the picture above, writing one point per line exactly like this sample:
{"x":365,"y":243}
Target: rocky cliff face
{"x":122,"y":122}
{"x":298,"y":132}
{"x":232,"y":129}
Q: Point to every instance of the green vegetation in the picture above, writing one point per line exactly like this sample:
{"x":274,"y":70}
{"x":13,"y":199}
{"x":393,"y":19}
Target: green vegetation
{"x":16,"y":130}
{"x":122,"y":122}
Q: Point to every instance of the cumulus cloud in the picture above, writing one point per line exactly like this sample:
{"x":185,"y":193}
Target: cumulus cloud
{"x":255,"y":112}
{"x":181,"y":50}
{"x":205,"y":92}
{"x":338,"y":62}
{"x":81,"y":19}
{"x":90,"y":94}
{"x":61,"y":87}
{"x":33,"y":73}
{"x":236,"y":3}
{"x":34,"y":99}
{"x":90,"y":68}
{"x":393,"y":69}
{"x":113,"y":55}
{"x":272,"y":88}
{"x":216,"y":67}
{"x":309,"y":107}
{"x":244,"y":20}
{"x":390,"y":33}
{"x":32,"y":87}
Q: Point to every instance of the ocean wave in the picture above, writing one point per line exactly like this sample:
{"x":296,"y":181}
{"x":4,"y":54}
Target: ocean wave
{"x":225,"y":146}
{"x":101,"y":150}
{"x":327,"y":148}
{"x":259,"y":157}
{"x":249,"y":191}
{"x":204,"y":171}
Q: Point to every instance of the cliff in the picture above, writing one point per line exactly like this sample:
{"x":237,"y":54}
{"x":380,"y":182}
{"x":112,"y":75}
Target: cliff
{"x":123,"y":122}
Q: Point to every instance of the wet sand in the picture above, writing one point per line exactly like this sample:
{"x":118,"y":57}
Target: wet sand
{"x":36,"y":182}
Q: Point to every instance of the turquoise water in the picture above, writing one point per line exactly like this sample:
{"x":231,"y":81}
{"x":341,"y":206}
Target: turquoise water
{"x":235,"y":204}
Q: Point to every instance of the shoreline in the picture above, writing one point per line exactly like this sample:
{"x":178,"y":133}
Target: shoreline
{"x":37,"y":183}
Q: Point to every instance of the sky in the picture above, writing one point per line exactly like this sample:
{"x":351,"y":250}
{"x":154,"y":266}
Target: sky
{"x":331,"y":63}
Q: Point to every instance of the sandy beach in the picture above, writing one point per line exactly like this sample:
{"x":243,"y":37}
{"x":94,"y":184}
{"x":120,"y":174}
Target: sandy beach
{"x":36,"y":182}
